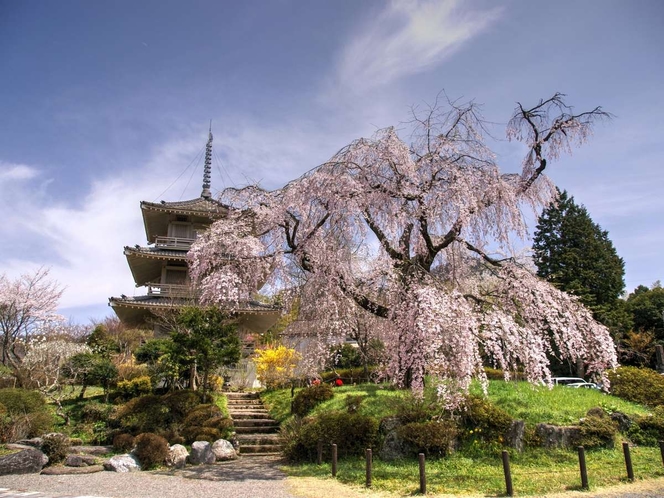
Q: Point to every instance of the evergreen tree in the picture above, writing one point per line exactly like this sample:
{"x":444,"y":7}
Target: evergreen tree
{"x":576,"y":255}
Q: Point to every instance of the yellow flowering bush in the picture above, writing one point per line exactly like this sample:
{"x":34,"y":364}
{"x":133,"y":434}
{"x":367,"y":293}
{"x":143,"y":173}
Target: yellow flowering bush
{"x":275,"y":365}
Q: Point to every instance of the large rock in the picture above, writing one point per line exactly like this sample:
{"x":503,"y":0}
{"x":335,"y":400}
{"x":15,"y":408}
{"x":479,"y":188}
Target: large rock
{"x":61,"y":471}
{"x":553,"y":436}
{"x":91,"y":450}
{"x":177,"y":456}
{"x":28,"y":461}
{"x":223,"y":450}
{"x":394,"y":447}
{"x":35,"y":442}
{"x":516,"y":434}
{"x":201,"y":452}
{"x":123,"y":463}
{"x":79,"y":460}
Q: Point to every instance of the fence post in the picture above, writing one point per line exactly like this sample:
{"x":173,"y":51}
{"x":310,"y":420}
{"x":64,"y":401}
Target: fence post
{"x":319,"y":453}
{"x":334,"y":460}
{"x":509,"y":490}
{"x":423,"y":476}
{"x":369,"y":465}
{"x":661,"y":450}
{"x":582,"y":467}
{"x":628,"y":461}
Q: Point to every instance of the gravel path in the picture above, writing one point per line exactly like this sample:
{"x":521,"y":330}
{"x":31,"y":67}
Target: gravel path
{"x":245,"y":477}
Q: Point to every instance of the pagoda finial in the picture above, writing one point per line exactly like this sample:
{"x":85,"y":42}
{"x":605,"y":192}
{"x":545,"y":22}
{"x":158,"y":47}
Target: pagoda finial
{"x":208,"y":166}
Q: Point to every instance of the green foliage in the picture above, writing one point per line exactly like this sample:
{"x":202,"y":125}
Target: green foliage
{"x":351,"y":432}
{"x":55,"y":447}
{"x":180,"y":403}
{"x":150,"y":351}
{"x":433,"y":438}
{"x":647,"y":430}
{"x":345,"y":356}
{"x":576,"y":255}
{"x":646,"y":307}
{"x":412,"y":409}
{"x":597,"y":431}
{"x":353,"y":403}
{"x":309,"y":397}
{"x":25,"y":415}
{"x":123,"y":442}
{"x":640,"y":385}
{"x":205,"y":337}
{"x":483,"y":420}
{"x":95,"y":411}
{"x":135,"y":387}
{"x":151,"y":450}
{"x":206,"y":423}
{"x":142,"y":414}
{"x":101,"y":342}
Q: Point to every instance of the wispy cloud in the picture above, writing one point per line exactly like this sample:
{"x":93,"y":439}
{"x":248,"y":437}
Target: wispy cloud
{"x":15,"y":172}
{"x":406,"y":38}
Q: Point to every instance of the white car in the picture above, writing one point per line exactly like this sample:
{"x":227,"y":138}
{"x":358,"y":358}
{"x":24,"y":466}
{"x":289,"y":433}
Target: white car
{"x":565,"y":381}
{"x":583,"y":385}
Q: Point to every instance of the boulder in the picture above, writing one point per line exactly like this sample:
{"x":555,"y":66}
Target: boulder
{"x":61,"y":471}
{"x":223,"y":450}
{"x":394,"y":447}
{"x":79,"y":460}
{"x":123,"y":463}
{"x":34,"y":442}
{"x":201,"y":452}
{"x":622,"y":420}
{"x":91,"y":450}
{"x":28,"y":461}
{"x":515,"y":435}
{"x":177,"y":456}
{"x":553,"y":436}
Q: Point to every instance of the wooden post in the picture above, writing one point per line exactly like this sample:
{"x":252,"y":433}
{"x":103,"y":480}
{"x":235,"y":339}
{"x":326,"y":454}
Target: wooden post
{"x":628,"y":462}
{"x":582,"y":468}
{"x":369,"y":464}
{"x":509,"y":490}
{"x":659,"y":357}
{"x":319,"y":453}
{"x":334,"y":460}
{"x":423,"y":476}
{"x":661,"y":450}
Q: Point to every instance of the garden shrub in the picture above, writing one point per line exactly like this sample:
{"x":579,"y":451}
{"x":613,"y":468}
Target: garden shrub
{"x":597,"y":431}
{"x":143,"y":414}
{"x":641,"y":385}
{"x":151,"y":450}
{"x":95,"y":412}
{"x":206,"y":423}
{"x":209,"y":434}
{"x":483,"y":420}
{"x":309,"y":397}
{"x":410,"y":409}
{"x":351,"y":432}
{"x":434,"y":437}
{"x":55,"y":447}
{"x":180,"y":403}
{"x":648,"y":430}
{"x":26,"y":415}
{"x":135,"y":387}
{"x":123,"y":442}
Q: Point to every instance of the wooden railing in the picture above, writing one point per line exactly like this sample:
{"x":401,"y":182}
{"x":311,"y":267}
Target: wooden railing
{"x":170,"y":290}
{"x":177,"y":243}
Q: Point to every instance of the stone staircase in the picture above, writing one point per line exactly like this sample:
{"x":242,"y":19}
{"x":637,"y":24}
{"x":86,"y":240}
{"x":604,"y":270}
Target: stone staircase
{"x":256,"y":431}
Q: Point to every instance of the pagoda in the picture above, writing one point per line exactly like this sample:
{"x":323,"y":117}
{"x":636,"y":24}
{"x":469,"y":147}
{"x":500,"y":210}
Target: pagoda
{"x":162,"y":266}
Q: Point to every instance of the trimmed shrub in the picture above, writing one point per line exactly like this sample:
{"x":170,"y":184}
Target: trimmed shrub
{"x":55,"y":447}
{"x":144,"y":414}
{"x":484,"y":421}
{"x":648,"y":430}
{"x":206,"y":423}
{"x":431,"y":438}
{"x":95,"y":412}
{"x":309,"y":397}
{"x":26,"y":415}
{"x":641,"y":385}
{"x":351,"y":432}
{"x":151,"y":450}
{"x":180,"y":403}
{"x":597,"y":431}
{"x":409,"y":409}
{"x":22,"y":401}
{"x":135,"y":387}
{"x":123,"y":442}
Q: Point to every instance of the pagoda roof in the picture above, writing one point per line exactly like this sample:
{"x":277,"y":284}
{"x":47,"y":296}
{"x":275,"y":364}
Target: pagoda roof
{"x":136,"y":310}
{"x":146,"y":263}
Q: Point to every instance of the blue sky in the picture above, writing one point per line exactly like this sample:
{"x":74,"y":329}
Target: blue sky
{"x":104,"y":104}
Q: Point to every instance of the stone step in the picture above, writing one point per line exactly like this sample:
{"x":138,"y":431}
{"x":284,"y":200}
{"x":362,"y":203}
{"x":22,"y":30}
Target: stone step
{"x":258,"y":439}
{"x":268,"y":429}
{"x":249,"y":415}
{"x":232,"y":395}
{"x":243,"y":402}
{"x":260,"y":448}
{"x":254,"y":422}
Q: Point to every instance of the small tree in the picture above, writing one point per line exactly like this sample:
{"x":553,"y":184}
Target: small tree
{"x":275,"y":365}
{"x":205,"y":339}
{"x":27,"y":306}
{"x":646,"y":307}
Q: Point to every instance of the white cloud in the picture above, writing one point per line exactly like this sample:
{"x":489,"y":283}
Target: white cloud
{"x":406,"y":38}
{"x":15,"y":172}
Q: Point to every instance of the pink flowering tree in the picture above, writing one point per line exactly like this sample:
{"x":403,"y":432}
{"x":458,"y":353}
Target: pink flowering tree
{"x":419,"y":237}
{"x":28,"y":306}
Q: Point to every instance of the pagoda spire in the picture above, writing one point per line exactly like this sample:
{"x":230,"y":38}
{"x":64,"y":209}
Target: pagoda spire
{"x":208,"y":166}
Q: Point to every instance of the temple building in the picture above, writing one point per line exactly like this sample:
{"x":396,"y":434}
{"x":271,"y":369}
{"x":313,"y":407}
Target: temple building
{"x":161,"y":266}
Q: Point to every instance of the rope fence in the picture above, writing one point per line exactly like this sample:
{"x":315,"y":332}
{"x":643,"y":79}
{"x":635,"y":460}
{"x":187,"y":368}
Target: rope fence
{"x":582,"y":471}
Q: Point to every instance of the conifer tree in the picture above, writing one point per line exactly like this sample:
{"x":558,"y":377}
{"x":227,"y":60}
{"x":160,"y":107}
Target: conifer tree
{"x":576,"y":255}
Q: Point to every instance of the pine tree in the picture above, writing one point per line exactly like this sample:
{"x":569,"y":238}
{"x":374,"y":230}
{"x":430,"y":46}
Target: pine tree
{"x":576,"y":255}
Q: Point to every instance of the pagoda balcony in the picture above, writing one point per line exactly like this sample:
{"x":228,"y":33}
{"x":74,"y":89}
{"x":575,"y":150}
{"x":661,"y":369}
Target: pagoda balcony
{"x":174,"y":243}
{"x":170,"y":290}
